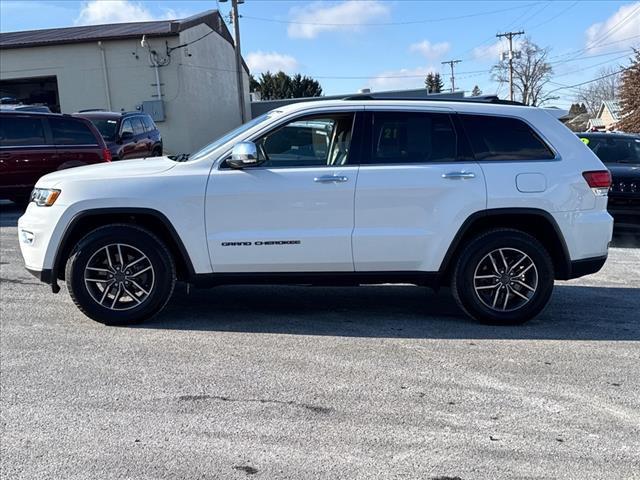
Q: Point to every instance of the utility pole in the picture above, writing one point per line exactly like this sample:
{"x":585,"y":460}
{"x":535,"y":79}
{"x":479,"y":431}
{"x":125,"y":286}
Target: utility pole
{"x":451,"y":63}
{"x":510,"y":36}
{"x":235,"y":18}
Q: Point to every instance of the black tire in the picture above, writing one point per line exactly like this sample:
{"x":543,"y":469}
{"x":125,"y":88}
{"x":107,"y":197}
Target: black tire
{"x":134,"y":239}
{"x":474,"y":259}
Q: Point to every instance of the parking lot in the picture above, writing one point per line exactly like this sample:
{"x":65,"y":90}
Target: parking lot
{"x":292,"y":382}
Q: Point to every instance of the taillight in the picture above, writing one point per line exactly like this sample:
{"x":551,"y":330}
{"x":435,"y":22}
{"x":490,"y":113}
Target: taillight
{"x":106,"y":153}
{"x":599,"y":181}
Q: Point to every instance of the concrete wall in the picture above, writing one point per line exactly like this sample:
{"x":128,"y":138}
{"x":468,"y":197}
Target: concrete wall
{"x":199,"y":90}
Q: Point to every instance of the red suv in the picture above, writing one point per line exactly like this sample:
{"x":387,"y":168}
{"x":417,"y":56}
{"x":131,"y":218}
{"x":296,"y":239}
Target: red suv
{"x":34,"y":144}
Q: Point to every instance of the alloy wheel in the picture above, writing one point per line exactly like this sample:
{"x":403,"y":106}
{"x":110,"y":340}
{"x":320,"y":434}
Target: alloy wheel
{"x":505,"y":279}
{"x":119,"y":276}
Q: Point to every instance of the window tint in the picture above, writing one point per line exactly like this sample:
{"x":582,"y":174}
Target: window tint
{"x":311,"y":141}
{"x":412,"y":137}
{"x":148,"y":123}
{"x":71,"y":132}
{"x":106,"y":127}
{"x":138,"y":127}
{"x":18,"y":131}
{"x":614,"y":149}
{"x":502,"y":138}
{"x":127,"y":127}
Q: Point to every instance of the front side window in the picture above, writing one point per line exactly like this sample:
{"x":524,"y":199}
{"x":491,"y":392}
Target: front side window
{"x":21,"y":131}
{"x":127,"y":127}
{"x":319,"y":140}
{"x":412,"y":137}
{"x":71,"y":132}
{"x":614,"y":149}
{"x":504,"y":138}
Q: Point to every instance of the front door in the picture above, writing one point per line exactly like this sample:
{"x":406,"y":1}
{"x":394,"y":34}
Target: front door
{"x":294,"y":212}
{"x":416,"y":186}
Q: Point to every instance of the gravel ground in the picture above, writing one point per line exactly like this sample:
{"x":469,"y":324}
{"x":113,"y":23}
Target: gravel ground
{"x":306,"y":383}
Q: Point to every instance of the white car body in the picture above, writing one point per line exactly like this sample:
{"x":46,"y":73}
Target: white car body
{"x":380,"y":218}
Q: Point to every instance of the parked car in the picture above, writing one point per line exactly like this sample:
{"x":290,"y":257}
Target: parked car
{"x":128,"y":134}
{"x":493,"y":200}
{"x":24,"y":108}
{"x":621,"y":154}
{"x":34,"y":144}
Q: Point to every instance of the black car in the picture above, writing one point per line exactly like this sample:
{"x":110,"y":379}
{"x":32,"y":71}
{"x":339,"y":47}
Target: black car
{"x":127,"y":134}
{"x":621,"y":154}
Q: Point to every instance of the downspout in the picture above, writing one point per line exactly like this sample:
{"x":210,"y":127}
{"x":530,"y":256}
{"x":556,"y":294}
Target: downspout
{"x":106,"y":77}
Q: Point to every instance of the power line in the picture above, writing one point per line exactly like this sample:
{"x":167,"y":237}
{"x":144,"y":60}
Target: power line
{"x":384,"y":24}
{"x":510,"y":36}
{"x":591,"y":81}
{"x":452,"y":64}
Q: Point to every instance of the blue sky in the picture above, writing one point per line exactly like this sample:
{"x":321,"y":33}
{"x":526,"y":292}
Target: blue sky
{"x":349,"y":45}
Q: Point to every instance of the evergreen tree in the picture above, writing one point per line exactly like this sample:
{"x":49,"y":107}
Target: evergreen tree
{"x":630,"y":97}
{"x":476,"y":92}
{"x":433,"y":83}
{"x":274,"y":86}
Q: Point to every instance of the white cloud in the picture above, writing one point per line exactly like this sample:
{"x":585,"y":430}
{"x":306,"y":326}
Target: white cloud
{"x":401,"y":79}
{"x":618,"y":27}
{"x":96,"y":12}
{"x":270,"y":61}
{"x":319,"y":17}
{"x":430,"y":50}
{"x":492,"y":52}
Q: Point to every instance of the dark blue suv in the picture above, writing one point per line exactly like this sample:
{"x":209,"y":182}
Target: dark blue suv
{"x":127,"y":134}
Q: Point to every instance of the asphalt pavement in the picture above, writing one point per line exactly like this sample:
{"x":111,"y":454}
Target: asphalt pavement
{"x":320,"y":383}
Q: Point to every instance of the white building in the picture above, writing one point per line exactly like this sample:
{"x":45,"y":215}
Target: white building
{"x":110,"y":67}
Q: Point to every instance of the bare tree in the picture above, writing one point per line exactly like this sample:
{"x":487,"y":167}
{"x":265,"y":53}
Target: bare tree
{"x":531,"y":74}
{"x":607,"y":88}
{"x":630,"y":96}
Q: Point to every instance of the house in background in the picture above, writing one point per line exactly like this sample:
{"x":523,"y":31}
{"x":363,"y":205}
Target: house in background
{"x":607,"y":118}
{"x":182,"y":72}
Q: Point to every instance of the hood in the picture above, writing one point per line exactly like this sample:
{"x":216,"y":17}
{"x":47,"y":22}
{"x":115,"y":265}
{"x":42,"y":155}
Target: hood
{"x":104,"y":171}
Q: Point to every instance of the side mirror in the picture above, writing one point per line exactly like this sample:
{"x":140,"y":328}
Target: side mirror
{"x":126,"y":136}
{"x":243,"y":155}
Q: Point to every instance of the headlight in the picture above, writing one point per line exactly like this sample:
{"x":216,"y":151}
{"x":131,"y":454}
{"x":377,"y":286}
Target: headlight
{"x":44,"y":197}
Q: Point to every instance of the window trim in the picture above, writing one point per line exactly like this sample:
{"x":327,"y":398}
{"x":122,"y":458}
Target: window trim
{"x":355,"y":147}
{"x":368,"y":139}
{"x":536,"y":131}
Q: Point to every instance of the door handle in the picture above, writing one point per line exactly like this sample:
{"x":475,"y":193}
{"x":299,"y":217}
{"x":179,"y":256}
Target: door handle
{"x":458,"y":175}
{"x":331,"y":179}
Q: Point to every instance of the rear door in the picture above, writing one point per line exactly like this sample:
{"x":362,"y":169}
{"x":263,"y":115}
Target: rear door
{"x":75,"y":142}
{"x":416,"y":186}
{"x":24,"y":151}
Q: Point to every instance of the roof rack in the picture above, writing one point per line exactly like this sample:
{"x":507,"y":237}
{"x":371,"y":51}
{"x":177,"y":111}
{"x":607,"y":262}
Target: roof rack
{"x":478,"y":99}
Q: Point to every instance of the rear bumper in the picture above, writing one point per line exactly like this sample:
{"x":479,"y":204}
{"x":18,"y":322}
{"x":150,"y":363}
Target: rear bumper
{"x":586,"y":266}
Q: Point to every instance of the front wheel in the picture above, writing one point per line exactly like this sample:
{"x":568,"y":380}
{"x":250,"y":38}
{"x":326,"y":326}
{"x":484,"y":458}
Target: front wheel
{"x":503,"y":277}
{"x":120,"y":274}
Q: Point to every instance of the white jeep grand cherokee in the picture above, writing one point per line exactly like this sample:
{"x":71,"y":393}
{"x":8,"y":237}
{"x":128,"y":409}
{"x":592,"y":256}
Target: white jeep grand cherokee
{"x":494,"y":200}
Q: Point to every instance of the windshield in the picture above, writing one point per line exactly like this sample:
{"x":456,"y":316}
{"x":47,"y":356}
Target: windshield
{"x":233,"y":133}
{"x":614,"y":149}
{"x":107,"y":128}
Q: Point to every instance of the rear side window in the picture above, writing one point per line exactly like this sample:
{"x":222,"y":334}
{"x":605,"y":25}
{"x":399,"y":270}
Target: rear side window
{"x":412,"y":137}
{"x":21,"y":131}
{"x":138,"y":127}
{"x":71,"y":132}
{"x":503,"y":138}
{"x":148,"y":123}
{"x":127,"y":127}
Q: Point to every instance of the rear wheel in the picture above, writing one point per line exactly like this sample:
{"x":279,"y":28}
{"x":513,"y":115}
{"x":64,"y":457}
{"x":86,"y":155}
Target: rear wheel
{"x":120,"y":274}
{"x":503,"y":277}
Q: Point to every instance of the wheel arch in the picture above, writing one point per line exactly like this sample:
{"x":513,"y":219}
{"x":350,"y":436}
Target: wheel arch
{"x":153,"y":220}
{"x":536,"y":222}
